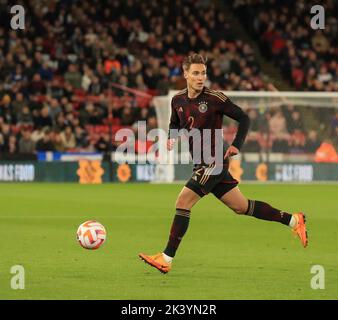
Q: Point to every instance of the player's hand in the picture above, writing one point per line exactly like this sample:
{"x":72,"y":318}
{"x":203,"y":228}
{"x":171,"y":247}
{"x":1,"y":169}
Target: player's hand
{"x":170,"y":144}
{"x":232,"y":151}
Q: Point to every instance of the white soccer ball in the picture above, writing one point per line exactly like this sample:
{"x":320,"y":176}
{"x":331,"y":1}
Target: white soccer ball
{"x":91,"y":234}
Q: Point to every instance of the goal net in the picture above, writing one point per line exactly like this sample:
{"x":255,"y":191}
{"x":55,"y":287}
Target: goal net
{"x":286,"y":128}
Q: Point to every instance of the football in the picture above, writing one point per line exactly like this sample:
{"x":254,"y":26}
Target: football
{"x":91,"y":235}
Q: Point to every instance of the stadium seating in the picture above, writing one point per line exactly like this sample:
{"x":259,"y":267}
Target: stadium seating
{"x":113,"y":60}
{"x":307,"y":58}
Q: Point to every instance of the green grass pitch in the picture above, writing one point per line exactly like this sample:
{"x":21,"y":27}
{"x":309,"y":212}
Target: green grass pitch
{"x":222,"y":256}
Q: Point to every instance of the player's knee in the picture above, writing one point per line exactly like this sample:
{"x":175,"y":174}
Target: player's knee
{"x":239,"y":209}
{"x":183,"y":204}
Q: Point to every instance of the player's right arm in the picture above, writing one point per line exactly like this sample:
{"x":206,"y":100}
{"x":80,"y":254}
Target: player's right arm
{"x":174,"y":126}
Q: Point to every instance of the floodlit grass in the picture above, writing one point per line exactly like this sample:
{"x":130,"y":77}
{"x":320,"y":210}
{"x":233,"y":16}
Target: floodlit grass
{"x":222,"y":256}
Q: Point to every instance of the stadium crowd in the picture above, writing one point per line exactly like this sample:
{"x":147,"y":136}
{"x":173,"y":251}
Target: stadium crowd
{"x":307,"y":57}
{"x":68,"y":71}
{"x":67,"y":76}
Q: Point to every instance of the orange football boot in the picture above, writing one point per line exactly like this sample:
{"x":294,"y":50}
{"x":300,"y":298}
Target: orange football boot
{"x":300,"y":228}
{"x":157,"y":261}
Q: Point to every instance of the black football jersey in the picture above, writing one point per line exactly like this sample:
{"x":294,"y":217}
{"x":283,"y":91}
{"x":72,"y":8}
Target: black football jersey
{"x":206,"y":111}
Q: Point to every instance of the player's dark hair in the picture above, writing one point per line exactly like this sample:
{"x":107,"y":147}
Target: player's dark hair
{"x":195,"y":58}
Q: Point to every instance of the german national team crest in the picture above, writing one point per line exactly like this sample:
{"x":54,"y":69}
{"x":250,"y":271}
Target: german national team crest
{"x":203,"y":107}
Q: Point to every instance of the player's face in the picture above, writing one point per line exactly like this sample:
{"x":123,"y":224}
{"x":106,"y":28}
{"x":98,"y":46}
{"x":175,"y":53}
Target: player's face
{"x":196,"y":76}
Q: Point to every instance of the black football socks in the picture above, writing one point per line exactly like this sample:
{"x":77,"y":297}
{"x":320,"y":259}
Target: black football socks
{"x":177,"y":231}
{"x":264,"y":211}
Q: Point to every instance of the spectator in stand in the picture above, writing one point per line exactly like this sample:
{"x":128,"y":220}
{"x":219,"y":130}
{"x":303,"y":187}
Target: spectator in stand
{"x":24,"y":117}
{"x":34,"y":104}
{"x":18,"y":103}
{"x":5,"y":134}
{"x":45,"y":143}
{"x":102,"y":145}
{"x":255,"y":123}
{"x":143,"y":114}
{"x":87,"y":78}
{"x":280,"y":145}
{"x":278,"y":132}
{"x":151,"y":122}
{"x":12,"y":147}
{"x":17,"y":75}
{"x":81,"y":137}
{"x":68,"y":138}
{"x":91,"y":114}
{"x":252,"y":141}
{"x":43,"y":118}
{"x":73,"y":76}
{"x":26,"y":144}
{"x":57,"y":141}
{"x":312,"y":142}
{"x":46,"y":72}
{"x":295,"y":122}
{"x":127,"y":114}
{"x":320,"y":42}
{"x":37,"y":86}
{"x":164,"y":83}
{"x":55,"y":89}
{"x":324,"y":76}
{"x":277,"y":125}
{"x":297,"y":142}
{"x":6,"y":111}
{"x":54,"y":108}
{"x":60,"y":122}
{"x":37,"y":134}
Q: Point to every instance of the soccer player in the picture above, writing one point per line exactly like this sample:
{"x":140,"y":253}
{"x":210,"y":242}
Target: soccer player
{"x":198,"y":107}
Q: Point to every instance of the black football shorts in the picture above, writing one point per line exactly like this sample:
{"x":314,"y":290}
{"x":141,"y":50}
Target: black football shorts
{"x":203,"y":181}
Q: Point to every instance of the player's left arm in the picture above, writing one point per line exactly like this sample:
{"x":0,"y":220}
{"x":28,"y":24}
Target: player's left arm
{"x":236,"y":113}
